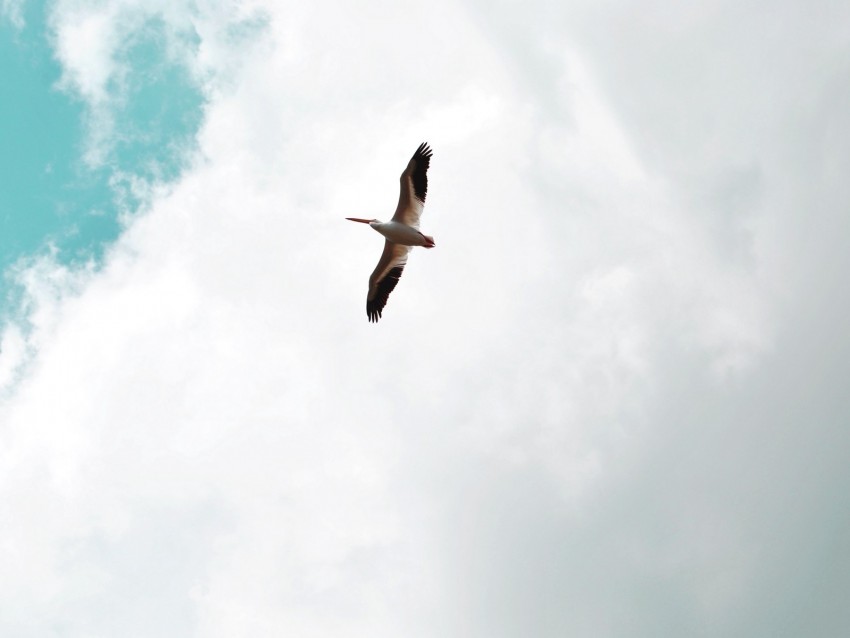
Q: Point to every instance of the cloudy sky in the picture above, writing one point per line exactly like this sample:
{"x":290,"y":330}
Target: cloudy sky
{"x":613,"y":401}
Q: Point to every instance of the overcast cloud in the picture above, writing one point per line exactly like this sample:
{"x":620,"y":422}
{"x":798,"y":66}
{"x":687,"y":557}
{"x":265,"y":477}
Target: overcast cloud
{"x":611,"y":402}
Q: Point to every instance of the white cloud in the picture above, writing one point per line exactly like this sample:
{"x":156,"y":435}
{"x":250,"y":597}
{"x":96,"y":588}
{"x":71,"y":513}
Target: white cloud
{"x":94,"y":43}
{"x":581,"y":413}
{"x":85,"y":45}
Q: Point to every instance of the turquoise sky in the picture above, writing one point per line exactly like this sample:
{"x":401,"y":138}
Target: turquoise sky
{"x":48,"y":196}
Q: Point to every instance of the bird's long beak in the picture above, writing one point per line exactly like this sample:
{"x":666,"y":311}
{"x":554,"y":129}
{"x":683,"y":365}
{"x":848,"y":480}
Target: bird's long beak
{"x":357,"y":219}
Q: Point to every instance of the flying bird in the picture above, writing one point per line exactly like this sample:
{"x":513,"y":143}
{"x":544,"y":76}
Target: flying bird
{"x":402,"y":232}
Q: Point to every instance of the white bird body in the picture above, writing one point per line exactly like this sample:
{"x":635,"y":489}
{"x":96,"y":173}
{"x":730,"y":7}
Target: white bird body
{"x":402,"y":232}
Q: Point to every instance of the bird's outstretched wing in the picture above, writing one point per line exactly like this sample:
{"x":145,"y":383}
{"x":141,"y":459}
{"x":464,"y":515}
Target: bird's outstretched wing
{"x":414,"y":187}
{"x":385,"y":277}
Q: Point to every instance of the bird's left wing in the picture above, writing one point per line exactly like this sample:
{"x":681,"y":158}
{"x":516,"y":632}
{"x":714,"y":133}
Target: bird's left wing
{"x":414,"y":187}
{"x":385,"y":277}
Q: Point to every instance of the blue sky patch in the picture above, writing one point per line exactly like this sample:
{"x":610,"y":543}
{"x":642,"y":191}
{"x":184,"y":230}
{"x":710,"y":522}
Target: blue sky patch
{"x":48,"y":196}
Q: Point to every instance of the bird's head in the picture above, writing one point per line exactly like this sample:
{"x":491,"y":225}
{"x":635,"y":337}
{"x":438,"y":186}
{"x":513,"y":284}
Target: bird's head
{"x":362,"y":221}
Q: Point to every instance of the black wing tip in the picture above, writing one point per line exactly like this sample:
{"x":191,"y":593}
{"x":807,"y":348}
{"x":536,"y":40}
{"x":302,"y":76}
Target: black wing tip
{"x":422,"y":160}
{"x":375,"y":307}
{"x":373,"y":312}
{"x":423,"y":152}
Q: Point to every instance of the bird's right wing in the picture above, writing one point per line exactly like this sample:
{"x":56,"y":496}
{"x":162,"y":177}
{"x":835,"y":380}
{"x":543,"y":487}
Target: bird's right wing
{"x":414,"y":187}
{"x":385,"y":277}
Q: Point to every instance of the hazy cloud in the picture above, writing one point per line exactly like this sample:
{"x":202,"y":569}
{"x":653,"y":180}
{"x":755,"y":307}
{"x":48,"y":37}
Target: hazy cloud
{"x":12,"y":9}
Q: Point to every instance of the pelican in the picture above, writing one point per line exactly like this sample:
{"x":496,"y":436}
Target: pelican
{"x":402,"y":232}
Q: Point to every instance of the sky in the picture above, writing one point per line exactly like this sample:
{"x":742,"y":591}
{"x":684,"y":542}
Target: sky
{"x":611,"y":402}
